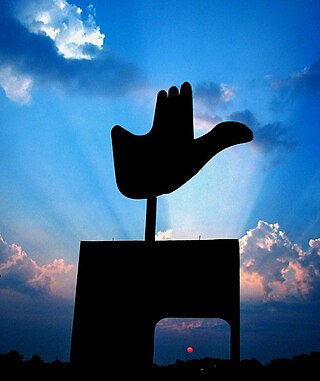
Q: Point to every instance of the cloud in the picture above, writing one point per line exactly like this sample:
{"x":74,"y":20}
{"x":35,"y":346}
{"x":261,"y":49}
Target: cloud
{"x":17,"y":87}
{"x":209,"y":98}
{"x":58,"y":50}
{"x":303,"y":83}
{"x":272,"y":139}
{"x":213,"y":95}
{"x":20,"y":273}
{"x":74,"y":36}
{"x":182,"y":324}
{"x":165,"y":235}
{"x":275,"y":269}
{"x":245,"y":117}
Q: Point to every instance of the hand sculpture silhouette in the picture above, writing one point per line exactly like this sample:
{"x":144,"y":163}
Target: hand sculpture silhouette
{"x":168,"y":156}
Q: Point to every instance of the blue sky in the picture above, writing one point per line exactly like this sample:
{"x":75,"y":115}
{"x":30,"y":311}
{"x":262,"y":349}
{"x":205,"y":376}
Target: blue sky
{"x":70,"y":71}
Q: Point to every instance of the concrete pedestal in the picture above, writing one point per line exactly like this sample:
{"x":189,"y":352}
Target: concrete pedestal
{"x":124,"y":288}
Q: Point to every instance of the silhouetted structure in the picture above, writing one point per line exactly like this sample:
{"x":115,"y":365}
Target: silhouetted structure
{"x":131,"y":285}
{"x":125,"y":287}
{"x":170,"y":144}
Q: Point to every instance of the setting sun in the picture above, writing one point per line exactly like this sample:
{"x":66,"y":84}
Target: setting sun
{"x":189,"y":349}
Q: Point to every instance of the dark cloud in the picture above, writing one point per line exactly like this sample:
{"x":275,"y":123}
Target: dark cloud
{"x":212,"y":95}
{"x":210,"y":99}
{"x":245,"y":117}
{"x":301,"y":84}
{"x":36,"y":56}
{"x":272,"y":138}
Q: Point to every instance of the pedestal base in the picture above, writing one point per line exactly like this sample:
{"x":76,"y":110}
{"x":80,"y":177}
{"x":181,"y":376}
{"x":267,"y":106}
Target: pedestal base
{"x":125,"y":287}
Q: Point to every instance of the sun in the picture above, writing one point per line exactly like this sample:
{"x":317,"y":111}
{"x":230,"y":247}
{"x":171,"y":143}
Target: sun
{"x":189,"y":349}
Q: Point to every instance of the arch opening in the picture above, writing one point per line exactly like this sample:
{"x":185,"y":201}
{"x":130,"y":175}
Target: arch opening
{"x":182,"y":339}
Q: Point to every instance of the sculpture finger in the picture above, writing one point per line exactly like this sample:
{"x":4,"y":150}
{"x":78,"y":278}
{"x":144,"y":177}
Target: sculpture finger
{"x":186,"y":107}
{"x":160,"y":111}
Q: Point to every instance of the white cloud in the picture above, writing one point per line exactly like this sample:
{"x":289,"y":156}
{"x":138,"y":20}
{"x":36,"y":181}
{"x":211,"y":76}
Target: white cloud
{"x":20,"y":273}
{"x":273,"y":268}
{"x":227,"y":92}
{"x":52,"y":45}
{"x":16,"y":86}
{"x":74,"y":36}
{"x":205,"y":121}
{"x":165,"y":235}
{"x":315,"y":245}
